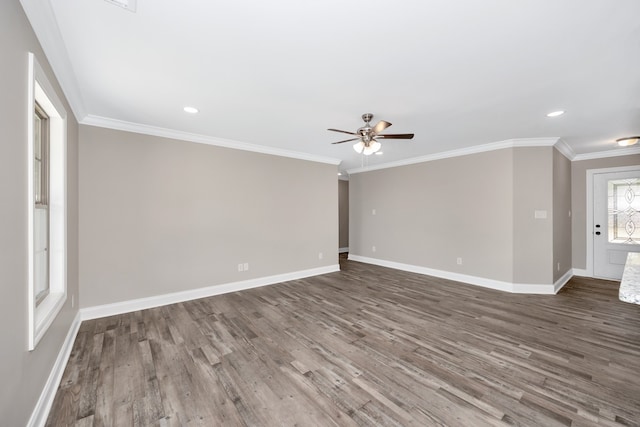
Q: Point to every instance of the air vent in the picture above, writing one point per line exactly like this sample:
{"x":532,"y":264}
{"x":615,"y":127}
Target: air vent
{"x":125,"y":4}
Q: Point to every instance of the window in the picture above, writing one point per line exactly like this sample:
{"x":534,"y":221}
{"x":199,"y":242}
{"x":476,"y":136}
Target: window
{"x":46,"y":142}
{"x":624,"y":211}
{"x":40,"y":155}
{"x":41,"y":197}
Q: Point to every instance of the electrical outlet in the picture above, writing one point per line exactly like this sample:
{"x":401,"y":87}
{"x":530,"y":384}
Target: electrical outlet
{"x":320,"y":255}
{"x":373,"y":248}
{"x":246,"y":266}
{"x":459,"y":261}
{"x":558,"y":266}
{"x":240,"y":267}
{"x":73,"y":301}
{"x":373,"y":211}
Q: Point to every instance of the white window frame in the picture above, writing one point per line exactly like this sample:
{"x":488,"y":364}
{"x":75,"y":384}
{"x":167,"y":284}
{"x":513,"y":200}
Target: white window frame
{"x":42,"y":315}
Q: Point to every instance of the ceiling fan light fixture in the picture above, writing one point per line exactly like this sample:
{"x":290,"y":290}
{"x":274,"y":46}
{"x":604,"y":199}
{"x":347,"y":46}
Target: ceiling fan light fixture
{"x":359,"y":147}
{"x":376,"y":146}
{"x":371,"y":148}
{"x":626,"y":142}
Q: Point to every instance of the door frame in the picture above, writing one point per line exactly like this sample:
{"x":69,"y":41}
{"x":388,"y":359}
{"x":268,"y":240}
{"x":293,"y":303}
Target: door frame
{"x":590,"y":177}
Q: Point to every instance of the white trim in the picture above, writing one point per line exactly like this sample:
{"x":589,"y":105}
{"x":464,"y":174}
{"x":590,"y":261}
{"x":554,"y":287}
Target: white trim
{"x":108,"y":123}
{"x":565,"y":149}
{"x":31,"y":297}
{"x":175,"y":297}
{"x":343,"y":250}
{"x":563,"y":281}
{"x":40,"y":89}
{"x":510,"y":143}
{"x":589,"y":231}
{"x":43,"y":406}
{"x":609,"y":153}
{"x":581,"y":272}
{"x":45,"y":26}
{"x":519,"y":288}
{"x":561,"y":145}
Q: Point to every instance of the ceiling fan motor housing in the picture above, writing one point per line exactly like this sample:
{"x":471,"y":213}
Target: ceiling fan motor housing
{"x":366,"y":130}
{"x":365,"y":134}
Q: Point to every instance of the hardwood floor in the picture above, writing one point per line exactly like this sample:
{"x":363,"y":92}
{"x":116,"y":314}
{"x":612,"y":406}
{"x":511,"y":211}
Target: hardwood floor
{"x":363,"y":346}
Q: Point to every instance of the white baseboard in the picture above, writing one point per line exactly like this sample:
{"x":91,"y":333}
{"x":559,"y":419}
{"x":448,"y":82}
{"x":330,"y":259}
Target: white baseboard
{"x":175,"y":297}
{"x":519,"y":288}
{"x":581,"y":272}
{"x":563,"y":281}
{"x":43,"y":406}
{"x":343,"y":250}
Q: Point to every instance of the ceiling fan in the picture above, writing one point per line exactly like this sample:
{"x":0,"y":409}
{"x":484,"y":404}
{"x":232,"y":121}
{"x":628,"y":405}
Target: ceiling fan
{"x":367,"y":135}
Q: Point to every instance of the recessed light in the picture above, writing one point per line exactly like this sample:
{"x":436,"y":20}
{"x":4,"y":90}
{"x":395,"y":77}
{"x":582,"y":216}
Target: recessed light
{"x":555,"y":113}
{"x":630,"y":140}
{"x":379,"y":153}
{"x":190,"y":110}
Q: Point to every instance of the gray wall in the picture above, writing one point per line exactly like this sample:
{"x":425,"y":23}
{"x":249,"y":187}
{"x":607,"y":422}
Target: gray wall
{"x":343,"y":212}
{"x":161,"y":216}
{"x":22,"y":373}
{"x":479,"y":207}
{"x":533,"y":238}
{"x":579,"y":200}
{"x":561,"y":215}
{"x":429,"y":214}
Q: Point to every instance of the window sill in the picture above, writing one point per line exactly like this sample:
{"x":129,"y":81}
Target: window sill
{"x":45,"y":313}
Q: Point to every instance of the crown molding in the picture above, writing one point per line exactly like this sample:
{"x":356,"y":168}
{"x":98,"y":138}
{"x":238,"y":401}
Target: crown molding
{"x":565,"y":149}
{"x":122,"y":125}
{"x":45,"y":26}
{"x":509,"y":143}
{"x":609,"y":153}
{"x":561,"y":145}
{"x":533,"y":142}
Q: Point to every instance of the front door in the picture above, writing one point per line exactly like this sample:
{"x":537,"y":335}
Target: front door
{"x":616,"y":221}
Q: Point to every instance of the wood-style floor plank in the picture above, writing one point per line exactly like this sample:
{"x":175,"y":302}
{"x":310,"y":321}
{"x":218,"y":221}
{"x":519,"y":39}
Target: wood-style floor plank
{"x":363,"y":346}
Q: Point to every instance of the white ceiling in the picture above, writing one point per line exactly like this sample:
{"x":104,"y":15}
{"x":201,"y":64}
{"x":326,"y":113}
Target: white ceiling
{"x":279,"y":73}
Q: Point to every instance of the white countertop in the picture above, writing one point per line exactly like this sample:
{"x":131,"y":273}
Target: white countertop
{"x":630,"y":284}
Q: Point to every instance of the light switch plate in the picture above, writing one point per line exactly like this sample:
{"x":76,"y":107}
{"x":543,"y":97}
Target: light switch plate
{"x":540,"y":214}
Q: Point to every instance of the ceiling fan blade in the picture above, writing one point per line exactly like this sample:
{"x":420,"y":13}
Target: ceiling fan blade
{"x":342,"y":131}
{"x":396,"y":136}
{"x":382,"y":125}
{"x":346,"y":140}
